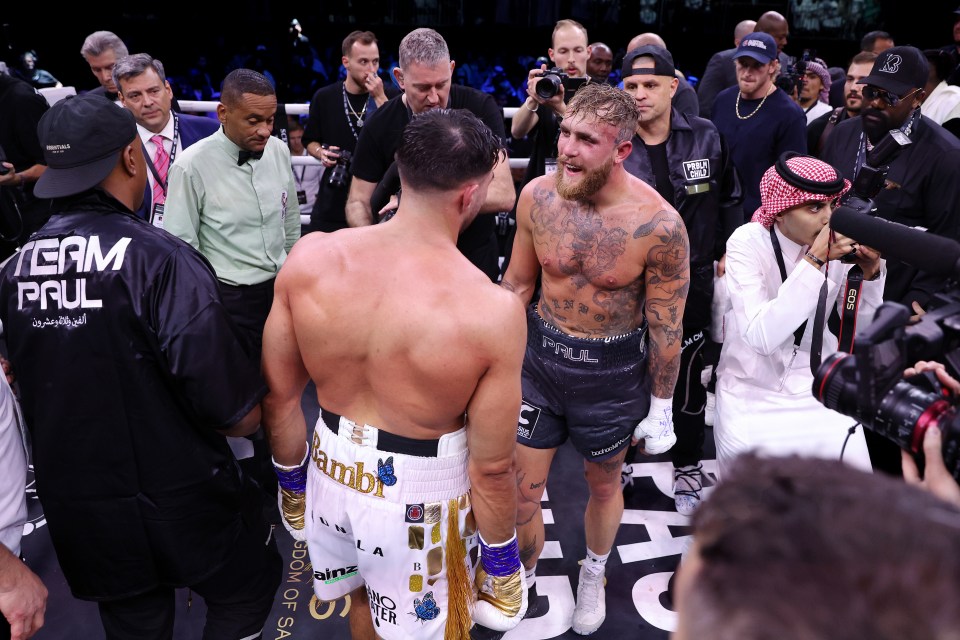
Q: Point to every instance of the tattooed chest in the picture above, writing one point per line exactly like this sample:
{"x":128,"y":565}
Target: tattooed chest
{"x":582,"y":246}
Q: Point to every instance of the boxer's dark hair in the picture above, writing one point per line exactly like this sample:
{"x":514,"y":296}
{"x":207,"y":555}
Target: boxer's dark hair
{"x":445,"y":148}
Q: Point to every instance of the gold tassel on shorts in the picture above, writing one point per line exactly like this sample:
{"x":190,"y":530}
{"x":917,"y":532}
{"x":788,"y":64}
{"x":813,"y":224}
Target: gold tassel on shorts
{"x":459,"y":588}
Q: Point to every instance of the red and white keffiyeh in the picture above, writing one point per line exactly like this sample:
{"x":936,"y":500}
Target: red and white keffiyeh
{"x":777,"y":195}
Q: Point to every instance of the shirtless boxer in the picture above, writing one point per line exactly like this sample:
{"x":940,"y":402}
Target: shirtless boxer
{"x":603,"y":348}
{"x":398,"y":330}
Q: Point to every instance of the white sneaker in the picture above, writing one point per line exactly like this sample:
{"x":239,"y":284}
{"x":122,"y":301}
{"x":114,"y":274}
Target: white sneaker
{"x":591,"y":609}
{"x":687,"y":485}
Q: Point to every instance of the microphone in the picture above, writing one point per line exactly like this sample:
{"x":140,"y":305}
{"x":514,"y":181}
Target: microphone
{"x":928,"y":252}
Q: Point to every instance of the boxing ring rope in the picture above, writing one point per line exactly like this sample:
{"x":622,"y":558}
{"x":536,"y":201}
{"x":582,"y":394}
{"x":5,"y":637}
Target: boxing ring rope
{"x":299,"y":109}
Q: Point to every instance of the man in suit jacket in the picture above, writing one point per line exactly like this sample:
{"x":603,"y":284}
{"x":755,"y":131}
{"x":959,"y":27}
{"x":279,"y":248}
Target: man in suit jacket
{"x":144,"y":90}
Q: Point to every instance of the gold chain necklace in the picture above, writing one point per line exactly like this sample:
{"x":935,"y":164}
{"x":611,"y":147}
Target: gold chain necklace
{"x":754,"y":112}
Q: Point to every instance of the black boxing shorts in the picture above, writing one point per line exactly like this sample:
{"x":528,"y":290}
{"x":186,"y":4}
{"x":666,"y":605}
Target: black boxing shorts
{"x":593,"y":390}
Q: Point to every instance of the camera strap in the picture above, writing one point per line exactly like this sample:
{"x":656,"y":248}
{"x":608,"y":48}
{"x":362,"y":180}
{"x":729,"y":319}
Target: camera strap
{"x":816,"y":339}
{"x":851,"y":305}
{"x":778,"y":252}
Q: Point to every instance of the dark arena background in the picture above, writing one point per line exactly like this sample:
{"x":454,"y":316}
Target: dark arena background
{"x":199,"y":42}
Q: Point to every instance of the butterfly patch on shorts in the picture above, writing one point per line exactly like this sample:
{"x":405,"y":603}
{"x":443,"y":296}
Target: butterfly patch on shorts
{"x":385,"y":471}
{"x":425,"y":610}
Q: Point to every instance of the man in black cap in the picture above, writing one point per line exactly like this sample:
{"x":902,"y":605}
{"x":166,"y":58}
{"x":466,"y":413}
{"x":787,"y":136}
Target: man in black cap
{"x":122,"y":324}
{"x":684,"y":158}
{"x":923,"y":184}
{"x":759,"y":121}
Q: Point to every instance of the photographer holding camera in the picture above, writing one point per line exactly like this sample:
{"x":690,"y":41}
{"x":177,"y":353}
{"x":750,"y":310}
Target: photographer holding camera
{"x":425,"y":74}
{"x":784,"y":273}
{"x":935,"y":477}
{"x":548,"y":92}
{"x":921,"y":187}
{"x":337,"y":115}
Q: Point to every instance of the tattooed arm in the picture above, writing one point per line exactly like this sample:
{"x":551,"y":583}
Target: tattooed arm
{"x":524,"y":267}
{"x":667,"y":277}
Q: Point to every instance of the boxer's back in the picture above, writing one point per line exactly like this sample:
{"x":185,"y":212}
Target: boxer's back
{"x":395,"y":333}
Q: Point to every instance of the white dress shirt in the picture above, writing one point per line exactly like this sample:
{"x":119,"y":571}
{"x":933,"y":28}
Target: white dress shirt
{"x":151,"y":148}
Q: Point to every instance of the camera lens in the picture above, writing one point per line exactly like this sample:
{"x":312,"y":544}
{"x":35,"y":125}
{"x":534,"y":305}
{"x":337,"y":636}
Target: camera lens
{"x":904,"y":412}
{"x":548,"y":86}
{"x":340,"y":173}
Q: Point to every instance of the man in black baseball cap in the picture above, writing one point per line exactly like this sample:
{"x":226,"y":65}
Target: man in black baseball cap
{"x":126,"y":361}
{"x":893,"y":90}
{"x":662,"y":62}
{"x":81,"y":144}
{"x":684,"y":159}
{"x":758,"y":121}
{"x":922,"y":185}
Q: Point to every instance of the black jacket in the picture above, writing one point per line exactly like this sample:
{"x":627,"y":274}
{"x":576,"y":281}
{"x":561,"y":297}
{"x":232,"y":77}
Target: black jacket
{"x":127,"y":365}
{"x":708,"y":196}
{"x":923,"y":189}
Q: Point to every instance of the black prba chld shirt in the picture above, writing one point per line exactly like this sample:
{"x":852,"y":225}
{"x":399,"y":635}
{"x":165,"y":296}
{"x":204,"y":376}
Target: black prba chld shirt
{"x":381,"y":136}
{"x":127,"y":365}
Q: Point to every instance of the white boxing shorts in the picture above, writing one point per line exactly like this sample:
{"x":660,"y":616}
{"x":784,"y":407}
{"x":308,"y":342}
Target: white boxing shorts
{"x":379,"y":512}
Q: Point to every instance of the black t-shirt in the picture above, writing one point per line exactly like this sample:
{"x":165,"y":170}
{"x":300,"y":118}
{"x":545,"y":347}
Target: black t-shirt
{"x":381,"y":136}
{"x":544,"y":146}
{"x":20,"y":110}
{"x":328,"y":125}
{"x":661,"y":170}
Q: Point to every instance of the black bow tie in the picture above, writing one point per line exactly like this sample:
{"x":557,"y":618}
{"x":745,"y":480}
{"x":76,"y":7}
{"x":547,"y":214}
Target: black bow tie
{"x":247,"y":155}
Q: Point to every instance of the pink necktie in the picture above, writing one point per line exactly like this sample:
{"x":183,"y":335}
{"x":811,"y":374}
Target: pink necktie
{"x":161,"y":162}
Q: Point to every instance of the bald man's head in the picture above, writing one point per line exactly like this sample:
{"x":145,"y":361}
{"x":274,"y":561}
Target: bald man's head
{"x":743,"y":28}
{"x":600,"y":62}
{"x":644,"y":39}
{"x":776,"y":25}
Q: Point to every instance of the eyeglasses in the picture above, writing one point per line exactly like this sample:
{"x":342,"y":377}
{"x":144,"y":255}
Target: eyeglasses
{"x":871,"y":93}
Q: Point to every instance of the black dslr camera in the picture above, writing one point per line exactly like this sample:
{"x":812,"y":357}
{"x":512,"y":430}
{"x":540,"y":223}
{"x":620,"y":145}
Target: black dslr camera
{"x":791,"y":78}
{"x":868,"y":385}
{"x":340,"y":173}
{"x":872,"y":176}
{"x":552,"y":79}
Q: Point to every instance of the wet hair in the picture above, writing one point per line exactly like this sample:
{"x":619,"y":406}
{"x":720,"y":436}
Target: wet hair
{"x":442,"y":149}
{"x":100,"y":41}
{"x":799,"y":548}
{"x":608,"y":105}
{"x":363,"y":37}
{"x":241,"y":81}
{"x":133,"y":65}
{"x":423,"y":46}
{"x":567,"y":24}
